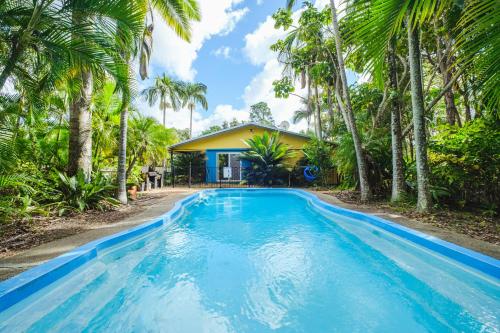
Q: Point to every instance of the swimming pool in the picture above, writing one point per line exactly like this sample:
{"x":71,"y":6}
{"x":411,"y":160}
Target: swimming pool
{"x":258,"y":261}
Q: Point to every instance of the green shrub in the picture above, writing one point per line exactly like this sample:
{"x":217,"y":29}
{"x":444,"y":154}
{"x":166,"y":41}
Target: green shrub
{"x":74,"y":194}
{"x":465,"y":161}
{"x":320,"y":154}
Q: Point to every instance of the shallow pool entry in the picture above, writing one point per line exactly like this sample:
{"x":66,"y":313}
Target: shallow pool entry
{"x":263,"y":261}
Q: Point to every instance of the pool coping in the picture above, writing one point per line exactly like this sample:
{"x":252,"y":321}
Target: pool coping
{"x":27,"y":283}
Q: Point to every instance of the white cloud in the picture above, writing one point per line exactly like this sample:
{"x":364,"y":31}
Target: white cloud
{"x":174,"y":55}
{"x":258,"y":42}
{"x":260,"y":88}
{"x":223,"y":51}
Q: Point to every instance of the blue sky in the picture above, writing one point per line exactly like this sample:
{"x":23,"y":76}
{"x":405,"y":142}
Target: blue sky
{"x":229,"y":53}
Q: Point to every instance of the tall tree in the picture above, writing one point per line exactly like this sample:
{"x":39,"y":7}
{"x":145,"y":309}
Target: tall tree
{"x":168,"y":91}
{"x":193,"y":94}
{"x":261,"y":113}
{"x":417,"y":101}
{"x":178,"y":14}
{"x":346,"y":101}
{"x":398,"y":180}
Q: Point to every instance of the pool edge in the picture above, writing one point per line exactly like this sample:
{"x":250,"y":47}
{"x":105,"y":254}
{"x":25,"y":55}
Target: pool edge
{"x":20,"y":286}
{"x":16,"y":288}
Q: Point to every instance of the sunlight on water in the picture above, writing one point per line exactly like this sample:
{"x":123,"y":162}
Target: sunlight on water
{"x":263,"y":261}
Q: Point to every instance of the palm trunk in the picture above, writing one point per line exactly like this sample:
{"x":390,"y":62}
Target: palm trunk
{"x":417,"y":100}
{"x":443,"y":57}
{"x":468,"y":113}
{"x":331,"y":112}
{"x":318,"y":114}
{"x":80,"y":134}
{"x":398,"y":181}
{"x":190,"y":121}
{"x":164,"y":116}
{"x":360,"y":158}
{"x":122,"y":153}
{"x":449,"y":97}
{"x":309,"y":107}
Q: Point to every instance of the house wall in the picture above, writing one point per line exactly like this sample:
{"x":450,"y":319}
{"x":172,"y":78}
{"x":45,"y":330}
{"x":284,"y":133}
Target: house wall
{"x":235,"y":140}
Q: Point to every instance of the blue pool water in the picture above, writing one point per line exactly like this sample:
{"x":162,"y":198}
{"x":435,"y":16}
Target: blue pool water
{"x":263,"y":261}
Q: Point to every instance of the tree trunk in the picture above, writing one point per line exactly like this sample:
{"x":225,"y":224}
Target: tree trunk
{"x":398,"y":181}
{"x":331,"y":112}
{"x":465,"y":95}
{"x":122,"y":154}
{"x":309,"y":107}
{"x":164,"y":116}
{"x":417,"y":99}
{"x":443,"y":61}
{"x":318,"y":114}
{"x":360,"y":158}
{"x":80,"y":131}
{"x":449,"y":97}
{"x":190,"y":121}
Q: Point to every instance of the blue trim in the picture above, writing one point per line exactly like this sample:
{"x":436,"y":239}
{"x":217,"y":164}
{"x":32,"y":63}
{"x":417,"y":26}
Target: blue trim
{"x":227,"y":149}
{"x":25,"y":284}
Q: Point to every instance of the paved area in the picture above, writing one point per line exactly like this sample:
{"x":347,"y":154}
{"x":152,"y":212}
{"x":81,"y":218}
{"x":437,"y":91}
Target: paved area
{"x":26,"y":259}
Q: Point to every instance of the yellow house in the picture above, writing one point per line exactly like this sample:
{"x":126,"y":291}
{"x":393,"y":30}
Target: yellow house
{"x":223,"y":148}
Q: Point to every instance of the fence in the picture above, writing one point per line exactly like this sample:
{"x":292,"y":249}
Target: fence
{"x":230,"y":177}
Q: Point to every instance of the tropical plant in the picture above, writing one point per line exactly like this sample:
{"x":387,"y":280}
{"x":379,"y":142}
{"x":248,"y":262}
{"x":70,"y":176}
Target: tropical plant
{"x":168,"y":91}
{"x":342,"y":94}
{"x":75,"y":193}
{"x":193,"y":94}
{"x":320,"y":154}
{"x":267,"y":156}
{"x":148,"y":141}
{"x":178,"y":14}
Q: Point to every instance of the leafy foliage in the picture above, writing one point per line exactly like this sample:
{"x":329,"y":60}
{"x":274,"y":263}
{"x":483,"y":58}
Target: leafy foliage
{"x":267,"y":156}
{"x":74,"y":193}
{"x":261,"y":113}
{"x":320,"y":154}
{"x":466,"y":162}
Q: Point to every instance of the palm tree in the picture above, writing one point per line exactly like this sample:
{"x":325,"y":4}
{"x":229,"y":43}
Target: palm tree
{"x":193,"y":94}
{"x":360,"y":158}
{"x":149,"y":140}
{"x":303,"y":113}
{"x":168,"y":91}
{"x":67,"y":37}
{"x":376,"y":23}
{"x":178,"y":14}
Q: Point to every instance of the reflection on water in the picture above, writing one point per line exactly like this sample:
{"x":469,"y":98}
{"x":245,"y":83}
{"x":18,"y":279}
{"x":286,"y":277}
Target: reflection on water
{"x":263,"y":262}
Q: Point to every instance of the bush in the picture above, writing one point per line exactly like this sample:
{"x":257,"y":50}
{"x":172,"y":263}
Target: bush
{"x":266,"y":155}
{"x":320,"y":154}
{"x":74,"y":194}
{"x":465,"y":161}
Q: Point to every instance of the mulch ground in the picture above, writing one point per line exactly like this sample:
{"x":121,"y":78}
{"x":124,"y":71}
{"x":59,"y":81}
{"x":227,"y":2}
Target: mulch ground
{"x":475,"y":224}
{"x":25,"y":234}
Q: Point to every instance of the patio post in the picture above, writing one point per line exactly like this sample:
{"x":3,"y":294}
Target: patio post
{"x":172,"y":171}
{"x":189,"y":174}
